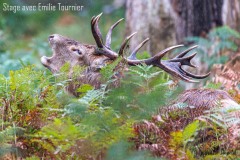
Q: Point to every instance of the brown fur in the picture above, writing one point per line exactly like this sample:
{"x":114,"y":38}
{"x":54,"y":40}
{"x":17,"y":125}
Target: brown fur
{"x":66,"y":50}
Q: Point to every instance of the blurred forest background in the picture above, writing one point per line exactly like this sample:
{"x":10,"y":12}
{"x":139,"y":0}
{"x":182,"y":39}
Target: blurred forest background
{"x":38,"y":120}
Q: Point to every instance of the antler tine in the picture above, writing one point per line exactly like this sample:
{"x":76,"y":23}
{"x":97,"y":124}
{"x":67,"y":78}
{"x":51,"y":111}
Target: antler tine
{"x":109,"y":34}
{"x":153,"y":60}
{"x":196,"y":76}
{"x":124,"y":44}
{"x":165,"y":51}
{"x":101,"y":47}
{"x":96,"y":27}
{"x":92,"y":19}
{"x":187,"y":79}
{"x":185,"y":60}
{"x":134,"y":52}
{"x":174,"y":70}
{"x":96,"y":32}
{"x":186,"y":51}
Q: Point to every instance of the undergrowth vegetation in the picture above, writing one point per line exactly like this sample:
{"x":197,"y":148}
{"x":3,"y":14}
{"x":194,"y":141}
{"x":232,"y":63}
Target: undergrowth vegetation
{"x":38,"y":116}
{"x":38,"y":119}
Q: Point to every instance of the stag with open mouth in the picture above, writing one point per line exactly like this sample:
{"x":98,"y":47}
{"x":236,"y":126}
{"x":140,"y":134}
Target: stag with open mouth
{"x":93,"y":57}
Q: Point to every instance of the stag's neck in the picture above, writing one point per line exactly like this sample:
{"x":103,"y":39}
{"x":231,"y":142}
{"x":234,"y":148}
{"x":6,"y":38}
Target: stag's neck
{"x":88,"y":76}
{"x":91,"y":75}
{"x":93,"y":59}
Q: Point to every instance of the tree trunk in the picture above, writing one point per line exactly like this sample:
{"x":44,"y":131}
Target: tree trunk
{"x":151,"y":19}
{"x":231,"y":13}
{"x":196,"y":17}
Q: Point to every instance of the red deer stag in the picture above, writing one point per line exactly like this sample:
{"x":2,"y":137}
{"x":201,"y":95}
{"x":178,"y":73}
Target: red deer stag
{"x":93,"y":57}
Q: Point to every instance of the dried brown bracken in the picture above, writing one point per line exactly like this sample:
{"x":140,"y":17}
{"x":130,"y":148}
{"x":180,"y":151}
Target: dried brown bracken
{"x":155,"y":135}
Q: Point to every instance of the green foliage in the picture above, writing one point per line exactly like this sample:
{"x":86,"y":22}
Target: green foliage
{"x":25,"y":97}
{"x":107,"y":72}
{"x":9,"y":135}
{"x":53,"y":124}
{"x":141,"y":94}
{"x":212,"y":85}
{"x":105,"y":127}
{"x":33,"y":158}
{"x":217,"y":41}
{"x":101,"y":119}
{"x":107,"y":117}
{"x":94,"y":97}
{"x":62,"y":134}
{"x":225,"y":33}
{"x":31,"y":100}
{"x":178,"y":142}
{"x":190,"y":130}
{"x":26,"y":82}
{"x":208,"y":136}
{"x":219,"y":156}
{"x":223,"y":117}
{"x":83,"y":89}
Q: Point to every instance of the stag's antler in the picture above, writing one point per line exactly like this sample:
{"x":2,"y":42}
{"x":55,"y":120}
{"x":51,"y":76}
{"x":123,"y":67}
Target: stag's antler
{"x":172,"y":66}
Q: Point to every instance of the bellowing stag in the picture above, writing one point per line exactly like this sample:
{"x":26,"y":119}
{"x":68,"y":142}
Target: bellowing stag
{"x":93,"y":57}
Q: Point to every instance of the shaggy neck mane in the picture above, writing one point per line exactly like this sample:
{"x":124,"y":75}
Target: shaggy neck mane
{"x":93,"y":58}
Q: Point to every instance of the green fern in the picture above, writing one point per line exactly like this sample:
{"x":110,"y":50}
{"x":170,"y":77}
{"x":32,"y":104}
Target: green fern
{"x":106,"y":116}
{"x":62,"y":134}
{"x":219,"y":156}
{"x":212,"y":85}
{"x":140,"y":94}
{"x":8,"y":137}
{"x":109,"y":70}
{"x":223,"y":117}
{"x":190,"y":130}
{"x":25,"y":96}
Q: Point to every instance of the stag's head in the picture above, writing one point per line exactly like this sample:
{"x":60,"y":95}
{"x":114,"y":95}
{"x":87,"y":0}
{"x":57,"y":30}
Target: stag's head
{"x":95,"y":57}
{"x":66,"y":50}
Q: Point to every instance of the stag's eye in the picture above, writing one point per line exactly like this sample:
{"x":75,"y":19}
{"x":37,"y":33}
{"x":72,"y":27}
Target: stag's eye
{"x":76,"y":50}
